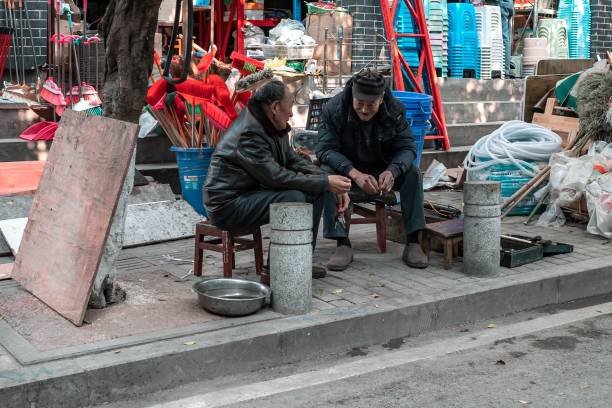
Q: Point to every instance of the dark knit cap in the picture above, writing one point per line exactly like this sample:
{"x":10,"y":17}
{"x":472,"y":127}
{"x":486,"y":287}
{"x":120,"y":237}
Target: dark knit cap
{"x":368,"y":85}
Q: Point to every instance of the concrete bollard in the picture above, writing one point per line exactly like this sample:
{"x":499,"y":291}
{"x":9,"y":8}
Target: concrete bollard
{"x":291,"y":257}
{"x":481,"y":227}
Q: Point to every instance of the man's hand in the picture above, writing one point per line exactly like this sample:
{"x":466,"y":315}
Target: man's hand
{"x":386,"y":181}
{"x":343,"y":201}
{"x":339,"y":184}
{"x":366,"y":182}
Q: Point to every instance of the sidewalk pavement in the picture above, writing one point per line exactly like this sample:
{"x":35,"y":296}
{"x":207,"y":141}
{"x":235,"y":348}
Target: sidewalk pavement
{"x":159,"y":338}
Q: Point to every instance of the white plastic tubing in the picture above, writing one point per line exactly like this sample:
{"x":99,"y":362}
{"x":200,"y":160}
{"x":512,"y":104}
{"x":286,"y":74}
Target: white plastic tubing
{"x":515,"y":142}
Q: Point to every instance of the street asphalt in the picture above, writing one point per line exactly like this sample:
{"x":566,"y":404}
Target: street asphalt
{"x":549,"y":357}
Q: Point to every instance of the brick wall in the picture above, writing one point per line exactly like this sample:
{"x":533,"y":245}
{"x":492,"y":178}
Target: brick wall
{"x":601,"y":26}
{"x":38,"y":21}
{"x":367,"y":23}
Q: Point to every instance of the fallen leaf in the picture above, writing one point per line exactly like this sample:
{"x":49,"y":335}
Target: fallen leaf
{"x":375,"y":295}
{"x":500,"y":362}
{"x":584,"y":386}
{"x":491,"y":326}
{"x":524,"y":402}
{"x":464,"y":330}
{"x":382,"y":285}
{"x":337,"y":291}
{"x":189,"y":343}
{"x":375,"y":305}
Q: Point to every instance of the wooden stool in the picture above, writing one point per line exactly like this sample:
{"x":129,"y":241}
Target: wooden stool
{"x":228,"y":243}
{"x":377,"y":216}
{"x":450,"y":233}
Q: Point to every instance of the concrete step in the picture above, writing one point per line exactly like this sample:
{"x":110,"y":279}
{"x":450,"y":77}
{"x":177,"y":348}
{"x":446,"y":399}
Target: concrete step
{"x":468,"y":90}
{"x":481,"y":112}
{"x":450,"y":158}
{"x":14,"y":119}
{"x":466,"y":134}
{"x":150,"y":150}
{"x":16,"y":149}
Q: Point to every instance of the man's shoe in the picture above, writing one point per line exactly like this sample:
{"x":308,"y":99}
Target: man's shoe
{"x":318,"y":271}
{"x":414,"y":256}
{"x":341,"y":259}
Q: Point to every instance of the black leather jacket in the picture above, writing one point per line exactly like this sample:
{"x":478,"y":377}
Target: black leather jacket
{"x":251,"y":158}
{"x":389,"y":146}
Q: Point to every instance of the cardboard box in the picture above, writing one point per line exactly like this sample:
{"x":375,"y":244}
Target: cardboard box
{"x":315,"y":27}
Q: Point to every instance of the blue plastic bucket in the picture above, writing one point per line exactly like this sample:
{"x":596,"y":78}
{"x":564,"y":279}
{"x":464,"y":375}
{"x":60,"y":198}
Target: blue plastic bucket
{"x":418,"y":135}
{"x":414,"y":102}
{"x":193,"y":167}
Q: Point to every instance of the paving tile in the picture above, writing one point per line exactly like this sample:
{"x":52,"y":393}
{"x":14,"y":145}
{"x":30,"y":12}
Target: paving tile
{"x":341,"y":303}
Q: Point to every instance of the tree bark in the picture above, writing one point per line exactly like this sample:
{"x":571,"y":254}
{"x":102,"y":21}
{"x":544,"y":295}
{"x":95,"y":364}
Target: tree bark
{"x":128,"y":29}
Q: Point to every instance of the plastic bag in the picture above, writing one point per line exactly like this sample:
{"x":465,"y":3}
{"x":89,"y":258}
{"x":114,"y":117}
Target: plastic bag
{"x":253,"y":35}
{"x":286,"y":31}
{"x":147,"y":125}
{"x":433,"y":174}
{"x":599,"y":204}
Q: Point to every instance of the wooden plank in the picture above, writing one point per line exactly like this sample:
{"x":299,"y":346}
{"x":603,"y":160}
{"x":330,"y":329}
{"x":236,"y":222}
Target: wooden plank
{"x":17,"y":178}
{"x":72,"y":211}
{"x":12,"y":231}
{"x":535,"y":88}
{"x":563,"y":66}
{"x":5,"y":270}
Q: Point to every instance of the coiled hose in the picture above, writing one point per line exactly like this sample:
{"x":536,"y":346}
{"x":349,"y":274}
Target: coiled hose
{"x":515,"y":142}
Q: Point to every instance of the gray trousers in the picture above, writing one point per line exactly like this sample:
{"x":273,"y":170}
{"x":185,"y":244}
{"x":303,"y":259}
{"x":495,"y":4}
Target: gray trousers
{"x":410,"y":187}
{"x":252,"y":210}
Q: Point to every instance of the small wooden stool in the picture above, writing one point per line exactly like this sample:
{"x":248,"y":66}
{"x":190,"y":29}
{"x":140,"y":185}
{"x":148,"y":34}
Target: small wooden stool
{"x":227,"y":243}
{"x":377,"y":215}
{"x":450,"y":233}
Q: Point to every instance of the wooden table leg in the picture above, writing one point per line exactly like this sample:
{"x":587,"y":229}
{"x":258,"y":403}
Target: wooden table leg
{"x":228,"y":254}
{"x":198,"y":254}
{"x":448,"y":254}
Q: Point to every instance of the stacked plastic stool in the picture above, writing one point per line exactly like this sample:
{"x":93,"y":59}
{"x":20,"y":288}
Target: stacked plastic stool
{"x":437,"y":24}
{"x":418,"y":112}
{"x":463,"y":44}
{"x":408,"y":46}
{"x":577,"y":15}
{"x":534,"y":50}
{"x":488,"y":24}
{"x":555,"y":32}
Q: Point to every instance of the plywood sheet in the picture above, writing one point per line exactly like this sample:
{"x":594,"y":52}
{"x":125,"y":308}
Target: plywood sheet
{"x":20,"y":177}
{"x":12,"y":231}
{"x":72,"y":211}
{"x":5,"y":270}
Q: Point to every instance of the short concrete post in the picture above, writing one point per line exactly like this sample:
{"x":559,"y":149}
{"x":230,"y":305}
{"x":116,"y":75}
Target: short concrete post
{"x":481,"y":227}
{"x":291,"y":257}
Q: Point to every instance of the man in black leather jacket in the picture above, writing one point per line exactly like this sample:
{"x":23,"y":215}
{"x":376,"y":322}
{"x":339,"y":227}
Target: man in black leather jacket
{"x":254,"y":166}
{"x":364,"y":135}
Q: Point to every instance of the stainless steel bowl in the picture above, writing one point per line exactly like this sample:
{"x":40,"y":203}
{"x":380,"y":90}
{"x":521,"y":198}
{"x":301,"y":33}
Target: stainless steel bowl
{"x":231,"y":297}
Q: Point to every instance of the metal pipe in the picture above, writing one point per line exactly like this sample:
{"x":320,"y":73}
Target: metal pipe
{"x":340,"y":35}
{"x":25,"y":4}
{"x":325,"y":62}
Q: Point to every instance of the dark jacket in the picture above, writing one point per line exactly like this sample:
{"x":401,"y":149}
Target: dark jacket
{"x":254,"y":156}
{"x":391,"y":143}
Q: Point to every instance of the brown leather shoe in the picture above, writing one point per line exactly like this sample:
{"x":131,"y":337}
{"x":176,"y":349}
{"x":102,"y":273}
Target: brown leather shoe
{"x":318,"y":271}
{"x":341,"y":259}
{"x":414,"y":256}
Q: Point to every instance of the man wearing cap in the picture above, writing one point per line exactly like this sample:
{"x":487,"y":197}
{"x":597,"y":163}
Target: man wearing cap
{"x":364,"y":135}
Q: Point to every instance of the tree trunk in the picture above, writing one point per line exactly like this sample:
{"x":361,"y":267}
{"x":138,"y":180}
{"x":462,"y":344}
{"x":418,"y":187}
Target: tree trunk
{"x":128,"y":28}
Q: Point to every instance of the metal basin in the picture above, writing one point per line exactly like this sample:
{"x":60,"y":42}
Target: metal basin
{"x":231,"y":297}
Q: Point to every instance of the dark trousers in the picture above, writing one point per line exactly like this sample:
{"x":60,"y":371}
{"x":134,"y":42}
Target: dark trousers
{"x":252,"y":210}
{"x":410,"y":187}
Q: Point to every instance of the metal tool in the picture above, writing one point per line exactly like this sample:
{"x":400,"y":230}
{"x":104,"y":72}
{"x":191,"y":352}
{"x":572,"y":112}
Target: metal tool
{"x":27,"y":13}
